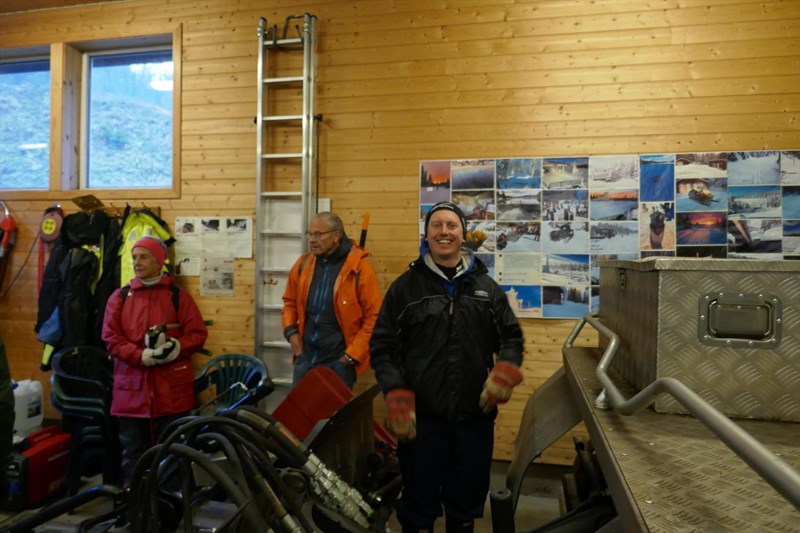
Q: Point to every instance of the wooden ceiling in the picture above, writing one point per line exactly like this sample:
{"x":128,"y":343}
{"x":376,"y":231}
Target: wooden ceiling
{"x":12,"y":6}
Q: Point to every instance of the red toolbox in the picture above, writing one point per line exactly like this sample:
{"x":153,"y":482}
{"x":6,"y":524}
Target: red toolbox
{"x":39,"y":470}
{"x":317,"y":397}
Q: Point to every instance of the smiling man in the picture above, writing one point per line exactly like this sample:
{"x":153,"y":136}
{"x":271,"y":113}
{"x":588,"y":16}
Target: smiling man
{"x":446,"y":350}
{"x":330,"y":303}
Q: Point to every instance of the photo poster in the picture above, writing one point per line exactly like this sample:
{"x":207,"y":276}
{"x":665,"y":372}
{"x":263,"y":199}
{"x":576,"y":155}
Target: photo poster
{"x":218,"y":237}
{"x":542,"y":225}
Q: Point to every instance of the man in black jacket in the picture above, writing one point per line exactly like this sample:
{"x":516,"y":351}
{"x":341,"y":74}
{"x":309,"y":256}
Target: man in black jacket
{"x":433,"y":349}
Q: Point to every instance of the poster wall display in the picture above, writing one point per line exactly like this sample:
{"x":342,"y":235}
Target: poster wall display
{"x":543,"y":224}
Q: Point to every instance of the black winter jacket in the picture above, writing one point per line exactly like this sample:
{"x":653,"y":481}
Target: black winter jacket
{"x":439,"y":337}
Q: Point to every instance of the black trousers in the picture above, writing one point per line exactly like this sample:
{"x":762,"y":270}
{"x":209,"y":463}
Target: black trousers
{"x":447,"y":465}
{"x":137,"y":435}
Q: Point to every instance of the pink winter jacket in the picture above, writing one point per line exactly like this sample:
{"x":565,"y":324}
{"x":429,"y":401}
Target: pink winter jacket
{"x":140,"y":391}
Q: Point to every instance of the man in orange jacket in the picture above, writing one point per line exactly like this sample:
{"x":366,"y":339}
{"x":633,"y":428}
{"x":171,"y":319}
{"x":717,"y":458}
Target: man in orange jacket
{"x":331,"y":303}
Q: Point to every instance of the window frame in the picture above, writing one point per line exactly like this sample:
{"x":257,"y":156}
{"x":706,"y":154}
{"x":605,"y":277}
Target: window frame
{"x":83,"y":163}
{"x":29,"y":56}
{"x":66,"y":111}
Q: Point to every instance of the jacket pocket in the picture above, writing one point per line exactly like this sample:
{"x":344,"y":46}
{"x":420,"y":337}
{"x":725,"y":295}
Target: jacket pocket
{"x":128,"y":382}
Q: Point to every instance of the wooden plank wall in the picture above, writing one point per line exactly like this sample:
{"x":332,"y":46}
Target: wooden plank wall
{"x":408,"y":80}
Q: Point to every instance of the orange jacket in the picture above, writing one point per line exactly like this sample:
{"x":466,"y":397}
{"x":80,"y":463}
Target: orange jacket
{"x":356,"y":300}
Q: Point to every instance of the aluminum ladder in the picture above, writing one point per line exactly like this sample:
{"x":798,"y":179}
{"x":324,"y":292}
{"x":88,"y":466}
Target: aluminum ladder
{"x":285,"y":175}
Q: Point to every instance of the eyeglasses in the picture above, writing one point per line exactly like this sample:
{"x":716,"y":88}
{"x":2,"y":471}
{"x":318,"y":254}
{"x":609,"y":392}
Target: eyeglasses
{"x":317,"y":234}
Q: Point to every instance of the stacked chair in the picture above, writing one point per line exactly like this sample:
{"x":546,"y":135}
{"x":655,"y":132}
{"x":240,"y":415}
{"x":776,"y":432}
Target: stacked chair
{"x":231,"y":379}
{"x":82,"y":382}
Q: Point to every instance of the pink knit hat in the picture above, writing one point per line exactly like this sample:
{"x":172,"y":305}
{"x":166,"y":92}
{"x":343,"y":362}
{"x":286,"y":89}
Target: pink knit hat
{"x":155,"y":246}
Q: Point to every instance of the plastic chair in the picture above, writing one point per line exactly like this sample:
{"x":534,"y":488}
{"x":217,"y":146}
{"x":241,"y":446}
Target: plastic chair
{"x":82,"y":383}
{"x":236,"y":378}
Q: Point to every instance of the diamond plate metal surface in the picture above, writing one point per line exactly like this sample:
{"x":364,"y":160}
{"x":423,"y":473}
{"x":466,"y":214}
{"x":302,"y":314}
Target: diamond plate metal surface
{"x":656,"y":316}
{"x":676,"y":475}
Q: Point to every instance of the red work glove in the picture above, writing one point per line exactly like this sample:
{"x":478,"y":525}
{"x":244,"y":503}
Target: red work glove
{"x":501,"y":381}
{"x":401,"y":416}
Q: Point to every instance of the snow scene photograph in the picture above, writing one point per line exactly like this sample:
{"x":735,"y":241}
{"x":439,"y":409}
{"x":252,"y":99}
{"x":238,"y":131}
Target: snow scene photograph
{"x":519,"y":173}
{"x":565,"y":173}
{"x":472,"y":173}
{"x":701,"y":194}
{"x":614,"y":237}
{"x":701,"y":165}
{"x":763,"y":236}
{"x":791,"y":202}
{"x":754,"y":168}
{"x":560,"y":301}
{"x":790,"y":168}
{"x":614,"y":172}
{"x":519,"y":237}
{"x":525,"y":300}
{"x":758,"y":201}
{"x":565,"y":237}
{"x":519,"y":204}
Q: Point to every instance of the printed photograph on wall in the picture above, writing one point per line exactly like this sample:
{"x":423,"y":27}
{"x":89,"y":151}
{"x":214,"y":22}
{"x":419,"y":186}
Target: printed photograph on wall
{"x":761,"y":201}
{"x":519,"y":173}
{"x":565,"y":173}
{"x":701,"y":228}
{"x":533,"y":220}
{"x":701,"y":165}
{"x":657,"y":178}
{"x":790,"y":201}
{"x":701,"y":194}
{"x":434,"y":182}
{"x":791,"y":237}
{"x":614,"y":172}
{"x":525,"y":300}
{"x":755,"y":239}
{"x":790,"y":168}
{"x":518,"y":205}
{"x":519,"y":237}
{"x":754,"y":168}
{"x":476,"y":205}
{"x":472,"y":174}
{"x":565,"y":237}
{"x":656,"y":226}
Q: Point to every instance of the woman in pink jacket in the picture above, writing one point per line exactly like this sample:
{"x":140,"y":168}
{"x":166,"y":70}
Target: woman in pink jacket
{"x":151,"y":328}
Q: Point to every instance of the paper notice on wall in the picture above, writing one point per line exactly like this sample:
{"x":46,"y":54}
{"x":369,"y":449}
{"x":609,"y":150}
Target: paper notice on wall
{"x":216,"y":276}
{"x":197,"y":237}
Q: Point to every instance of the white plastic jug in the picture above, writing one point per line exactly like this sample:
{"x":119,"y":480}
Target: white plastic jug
{"x":27,"y":406}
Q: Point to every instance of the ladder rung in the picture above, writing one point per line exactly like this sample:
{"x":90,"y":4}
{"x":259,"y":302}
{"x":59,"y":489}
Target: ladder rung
{"x":272,"y":307}
{"x":281,"y":194}
{"x":282,"y":118}
{"x":281,"y":233}
{"x":282,"y":156}
{"x":276,"y":344}
{"x":284,"y":80}
{"x":282,"y":42}
{"x":275,"y":270}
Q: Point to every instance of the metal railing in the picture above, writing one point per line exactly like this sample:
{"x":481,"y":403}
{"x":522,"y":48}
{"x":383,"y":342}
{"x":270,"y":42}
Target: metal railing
{"x":780,"y":475}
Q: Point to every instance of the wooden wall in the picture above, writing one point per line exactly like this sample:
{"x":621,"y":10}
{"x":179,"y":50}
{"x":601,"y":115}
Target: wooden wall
{"x":404,"y":81}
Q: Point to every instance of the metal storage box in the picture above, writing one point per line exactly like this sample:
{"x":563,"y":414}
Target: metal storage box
{"x":729,"y":329}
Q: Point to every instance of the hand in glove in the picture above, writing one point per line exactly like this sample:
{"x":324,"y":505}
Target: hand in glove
{"x":401,"y":417}
{"x":501,"y":381}
{"x":155,"y":337}
{"x":166,"y":353}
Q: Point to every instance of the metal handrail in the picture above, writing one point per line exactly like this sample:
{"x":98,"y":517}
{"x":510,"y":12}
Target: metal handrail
{"x":780,"y":475}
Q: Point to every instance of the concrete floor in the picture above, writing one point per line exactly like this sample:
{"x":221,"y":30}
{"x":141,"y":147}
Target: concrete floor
{"x":540,"y":501}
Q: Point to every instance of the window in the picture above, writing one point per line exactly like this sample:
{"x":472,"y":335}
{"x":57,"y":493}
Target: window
{"x":25,"y":124}
{"x":127,"y":128}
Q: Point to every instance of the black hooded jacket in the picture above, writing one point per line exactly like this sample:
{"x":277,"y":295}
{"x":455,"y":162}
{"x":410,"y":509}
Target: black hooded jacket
{"x":439,"y":337}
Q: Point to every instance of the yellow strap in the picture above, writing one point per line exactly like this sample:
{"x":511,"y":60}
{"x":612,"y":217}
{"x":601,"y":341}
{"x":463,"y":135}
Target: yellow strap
{"x":47,"y":354}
